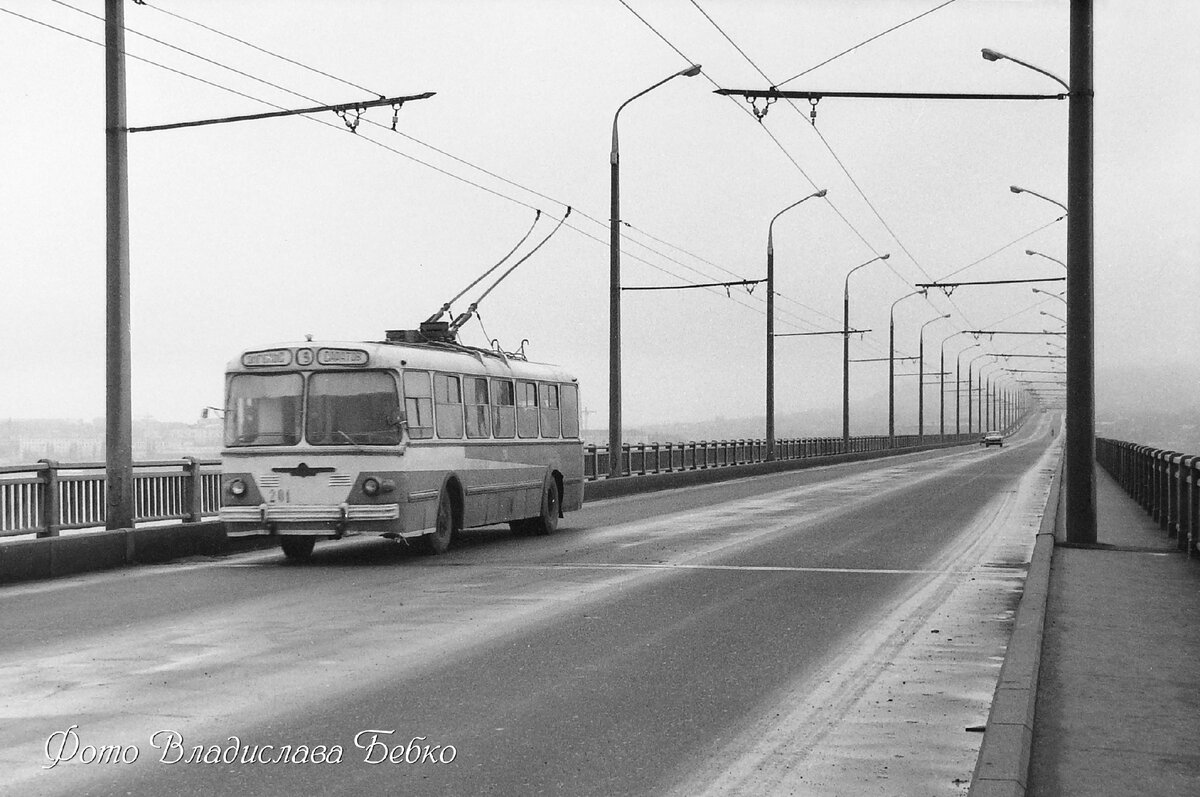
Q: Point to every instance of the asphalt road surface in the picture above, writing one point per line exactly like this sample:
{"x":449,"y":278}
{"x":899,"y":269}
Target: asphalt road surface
{"x":828,"y":631}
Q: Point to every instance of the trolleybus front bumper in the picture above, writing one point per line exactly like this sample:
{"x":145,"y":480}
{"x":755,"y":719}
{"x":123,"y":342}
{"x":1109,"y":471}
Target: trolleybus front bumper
{"x":248,"y":521}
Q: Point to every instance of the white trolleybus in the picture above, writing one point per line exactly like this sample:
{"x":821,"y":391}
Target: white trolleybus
{"x":411,"y":439}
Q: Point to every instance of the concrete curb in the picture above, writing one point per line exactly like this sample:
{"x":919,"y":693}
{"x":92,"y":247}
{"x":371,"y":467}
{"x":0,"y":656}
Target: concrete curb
{"x":1002,"y":768}
{"x":52,"y":557}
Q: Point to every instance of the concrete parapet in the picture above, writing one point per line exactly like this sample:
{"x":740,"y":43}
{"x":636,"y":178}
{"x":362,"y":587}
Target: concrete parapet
{"x":29,"y":560}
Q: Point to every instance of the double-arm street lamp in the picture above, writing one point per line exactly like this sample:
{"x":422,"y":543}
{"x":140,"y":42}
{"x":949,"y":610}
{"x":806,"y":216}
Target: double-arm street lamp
{"x":846,"y":351}
{"x":614,"y":287}
{"x":771,"y":323}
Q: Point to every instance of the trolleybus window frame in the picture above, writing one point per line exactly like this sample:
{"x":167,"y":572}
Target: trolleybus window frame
{"x":568,"y":400}
{"x":527,"y":409}
{"x":548,"y":409}
{"x":418,"y":405}
{"x":476,"y":405}
{"x":447,"y":405}
{"x":504,"y":409}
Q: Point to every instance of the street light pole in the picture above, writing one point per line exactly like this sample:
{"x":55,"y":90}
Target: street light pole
{"x":958,"y":388}
{"x":846,"y":352}
{"x":985,"y":419}
{"x":118,"y":456}
{"x":892,"y":367}
{"x":771,"y":324}
{"x":921,"y":379}
{"x":942,"y":372}
{"x":971,"y":391}
{"x":1080,"y":423}
{"x":1080,"y":445}
{"x":615,"y":447}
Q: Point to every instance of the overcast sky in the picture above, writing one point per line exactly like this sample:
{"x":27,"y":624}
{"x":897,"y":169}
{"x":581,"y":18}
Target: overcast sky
{"x":256,"y":232}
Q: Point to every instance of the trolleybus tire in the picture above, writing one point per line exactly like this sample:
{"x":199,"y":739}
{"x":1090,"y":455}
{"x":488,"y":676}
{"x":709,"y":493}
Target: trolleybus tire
{"x":297,"y":547}
{"x":547,"y":521}
{"x":439,"y":540}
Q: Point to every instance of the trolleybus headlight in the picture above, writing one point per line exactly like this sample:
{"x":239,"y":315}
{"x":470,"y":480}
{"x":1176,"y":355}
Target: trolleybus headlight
{"x":237,"y":488}
{"x":371,"y":486}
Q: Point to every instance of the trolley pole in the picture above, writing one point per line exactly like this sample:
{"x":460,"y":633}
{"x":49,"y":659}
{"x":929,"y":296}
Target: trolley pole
{"x":118,"y":457}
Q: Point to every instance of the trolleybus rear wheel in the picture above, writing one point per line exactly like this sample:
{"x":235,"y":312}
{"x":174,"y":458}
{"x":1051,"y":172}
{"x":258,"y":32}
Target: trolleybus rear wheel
{"x":547,"y":521}
{"x":296,"y":547}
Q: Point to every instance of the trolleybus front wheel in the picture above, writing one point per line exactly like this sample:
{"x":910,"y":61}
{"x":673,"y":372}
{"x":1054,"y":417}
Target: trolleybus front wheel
{"x":297,"y":547}
{"x":438,"y":541}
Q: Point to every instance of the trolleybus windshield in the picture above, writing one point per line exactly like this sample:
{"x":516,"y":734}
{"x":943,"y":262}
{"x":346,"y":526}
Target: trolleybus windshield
{"x":343,"y":408}
{"x":359,"y":407}
{"x":264,"y":410}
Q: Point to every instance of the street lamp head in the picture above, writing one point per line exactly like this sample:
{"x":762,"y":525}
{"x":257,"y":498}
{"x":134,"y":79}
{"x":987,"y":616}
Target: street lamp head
{"x":990,"y":54}
{"x":1016,"y":189}
{"x":1030,"y":252}
{"x":822,"y":192}
{"x":884,"y":256}
{"x":691,"y":71}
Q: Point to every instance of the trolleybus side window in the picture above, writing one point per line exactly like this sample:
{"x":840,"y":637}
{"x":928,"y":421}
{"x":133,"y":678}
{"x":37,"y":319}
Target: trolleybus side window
{"x":569,"y":399}
{"x":264,"y":410}
{"x":447,"y":405}
{"x":418,"y":404}
{"x":477,"y":406}
{"x":527,"y":409}
{"x":355,"y":407}
{"x":549,"y":409}
{"x":504,"y":412}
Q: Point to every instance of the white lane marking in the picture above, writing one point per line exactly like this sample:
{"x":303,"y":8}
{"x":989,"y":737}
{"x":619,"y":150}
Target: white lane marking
{"x":886,"y":714}
{"x":749,"y":568}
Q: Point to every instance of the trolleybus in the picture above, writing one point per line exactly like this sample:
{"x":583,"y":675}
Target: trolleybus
{"x":410,"y":438}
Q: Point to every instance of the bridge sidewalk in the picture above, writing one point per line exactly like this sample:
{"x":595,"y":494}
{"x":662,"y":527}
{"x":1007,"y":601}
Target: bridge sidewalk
{"x":1118,"y":695}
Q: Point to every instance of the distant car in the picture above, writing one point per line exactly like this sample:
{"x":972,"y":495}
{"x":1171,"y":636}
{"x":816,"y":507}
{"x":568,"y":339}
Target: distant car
{"x":992,"y":439}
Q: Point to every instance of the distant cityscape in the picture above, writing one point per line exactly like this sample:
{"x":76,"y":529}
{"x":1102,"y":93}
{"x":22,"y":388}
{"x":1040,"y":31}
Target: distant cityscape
{"x":24,"y":442}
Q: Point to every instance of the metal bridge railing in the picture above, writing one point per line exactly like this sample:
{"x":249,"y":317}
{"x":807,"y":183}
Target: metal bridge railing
{"x":49,"y":497}
{"x":643,"y":459}
{"x":1166,"y":484}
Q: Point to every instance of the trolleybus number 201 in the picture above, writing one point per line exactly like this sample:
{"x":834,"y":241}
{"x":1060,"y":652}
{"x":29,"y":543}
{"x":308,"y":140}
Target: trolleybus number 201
{"x":278,"y":495}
